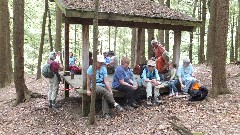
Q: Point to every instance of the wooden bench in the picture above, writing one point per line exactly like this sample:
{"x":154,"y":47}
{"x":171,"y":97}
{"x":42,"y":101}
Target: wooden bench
{"x":76,"y":85}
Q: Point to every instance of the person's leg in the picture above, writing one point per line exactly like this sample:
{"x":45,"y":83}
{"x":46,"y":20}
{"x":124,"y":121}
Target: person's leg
{"x":157,"y":96}
{"x":50,"y":90}
{"x":170,"y":88}
{"x":188,"y":84}
{"x":55,"y":91}
{"x":106,"y":94}
{"x":129,"y":93}
{"x":148,"y":86}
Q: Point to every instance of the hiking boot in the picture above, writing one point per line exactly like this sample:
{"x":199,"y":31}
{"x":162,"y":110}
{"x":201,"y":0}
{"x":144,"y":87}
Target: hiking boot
{"x":107,"y":116}
{"x":127,"y":107}
{"x":55,"y":105}
{"x":149,"y":101}
{"x":119,"y":108}
{"x":157,"y":101}
{"x":50,"y":103}
{"x":135,"y":105}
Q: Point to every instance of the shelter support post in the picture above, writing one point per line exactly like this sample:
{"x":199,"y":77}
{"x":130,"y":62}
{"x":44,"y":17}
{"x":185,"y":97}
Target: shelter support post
{"x":66,"y":59}
{"x":138,"y":46}
{"x":176,"y":47}
{"x":85,"y":65}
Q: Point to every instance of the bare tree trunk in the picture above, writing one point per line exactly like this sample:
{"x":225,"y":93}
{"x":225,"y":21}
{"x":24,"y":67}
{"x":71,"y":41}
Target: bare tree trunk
{"x":50,"y":30}
{"x":237,"y":54}
{"x":237,"y":39}
{"x":18,"y":48}
{"x":142,"y":47}
{"x":42,"y":41}
{"x":95,"y":42}
{"x":58,"y":29}
{"x":232,"y":47}
{"x":109,"y":38}
{"x":133,"y":44}
{"x":219,"y":84}
{"x":4,"y":42}
{"x":202,"y":34}
{"x":150,"y":38}
{"x":75,"y":39}
{"x":191,"y":33}
{"x":115,"y":39}
{"x":138,"y":46}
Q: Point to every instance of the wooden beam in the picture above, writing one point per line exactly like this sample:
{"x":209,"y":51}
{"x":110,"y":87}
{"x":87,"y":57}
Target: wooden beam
{"x":85,"y":65}
{"x":176,"y":47}
{"x":138,"y":46}
{"x":119,"y":23}
{"x":66,"y":55}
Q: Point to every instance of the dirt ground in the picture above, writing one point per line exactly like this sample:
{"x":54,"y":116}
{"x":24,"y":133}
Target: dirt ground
{"x":215,"y":116}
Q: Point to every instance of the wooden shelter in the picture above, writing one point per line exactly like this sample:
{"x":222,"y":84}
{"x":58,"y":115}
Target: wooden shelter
{"x":122,"y":13}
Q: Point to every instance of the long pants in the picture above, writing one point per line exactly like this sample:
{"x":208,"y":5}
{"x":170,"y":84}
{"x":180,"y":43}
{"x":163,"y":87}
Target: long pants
{"x":172,"y":85}
{"x":131,"y":94}
{"x":149,"y":86}
{"x":188,"y":82}
{"x":53,"y":88}
{"x":107,"y":97}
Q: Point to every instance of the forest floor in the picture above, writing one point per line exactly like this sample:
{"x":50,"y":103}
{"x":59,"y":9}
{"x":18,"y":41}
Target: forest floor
{"x":215,"y":116}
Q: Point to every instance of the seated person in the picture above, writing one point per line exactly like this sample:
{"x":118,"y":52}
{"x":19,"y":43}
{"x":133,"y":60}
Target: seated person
{"x":114,"y":59}
{"x":107,"y":59}
{"x":173,"y":82}
{"x":72,"y":59}
{"x":151,"y":78}
{"x":162,"y":65}
{"x":122,"y":82}
{"x":102,"y":86}
{"x":186,"y":75}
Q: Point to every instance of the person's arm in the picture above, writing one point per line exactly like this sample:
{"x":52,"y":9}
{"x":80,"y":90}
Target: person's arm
{"x":144,"y":76}
{"x":88,"y":85}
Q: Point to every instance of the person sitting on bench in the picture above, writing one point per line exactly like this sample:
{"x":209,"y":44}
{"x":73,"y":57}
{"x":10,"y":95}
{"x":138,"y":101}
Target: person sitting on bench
{"x":186,"y":75}
{"x":151,"y":78}
{"x":122,"y":82}
{"x":102,"y":86}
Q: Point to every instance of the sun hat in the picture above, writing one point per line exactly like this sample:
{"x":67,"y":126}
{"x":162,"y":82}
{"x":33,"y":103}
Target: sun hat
{"x":154,"y":42}
{"x":186,"y":60}
{"x":151,"y":63}
{"x":100,"y":58}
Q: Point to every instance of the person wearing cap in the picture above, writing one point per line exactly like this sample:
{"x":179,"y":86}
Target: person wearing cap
{"x":122,"y":82}
{"x":53,"y":82}
{"x":158,"y":48}
{"x":186,"y":75}
{"x":151,"y":78}
{"x":102,"y":86}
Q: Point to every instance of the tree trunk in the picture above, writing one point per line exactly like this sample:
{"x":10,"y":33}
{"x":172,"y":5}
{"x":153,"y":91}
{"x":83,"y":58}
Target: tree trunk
{"x":42,"y":41}
{"x":138,"y":46}
{"x":232,"y":47}
{"x":75,"y":39}
{"x":109,"y":38}
{"x":133,"y":44}
{"x":50,"y":30}
{"x":18,"y":48}
{"x":237,"y":54}
{"x":237,"y":39}
{"x":191,"y":33}
{"x":221,"y":7}
{"x":95,"y":42}
{"x":115,"y":39}
{"x":201,"y":54}
{"x":58,"y":29}
{"x":150,"y":38}
{"x":4,"y":42}
{"x":211,"y":32}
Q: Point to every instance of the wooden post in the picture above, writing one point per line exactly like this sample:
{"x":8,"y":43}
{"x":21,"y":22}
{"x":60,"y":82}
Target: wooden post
{"x":85,"y":65}
{"x":66,"y":59}
{"x":138,"y":46}
{"x":176,"y":47}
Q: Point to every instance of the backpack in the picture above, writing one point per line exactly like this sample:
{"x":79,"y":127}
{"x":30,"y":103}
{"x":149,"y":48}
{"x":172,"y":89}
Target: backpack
{"x":198,"y":95}
{"x":145,"y":67}
{"x":46,"y":71}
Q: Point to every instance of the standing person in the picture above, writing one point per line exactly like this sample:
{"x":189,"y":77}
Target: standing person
{"x":53,"y":82}
{"x":102,"y":86}
{"x":186,"y":75}
{"x":163,"y":65}
{"x":151,"y":78}
{"x":72,"y":59}
{"x":173,"y":82}
{"x":122,"y":82}
{"x":158,"y":48}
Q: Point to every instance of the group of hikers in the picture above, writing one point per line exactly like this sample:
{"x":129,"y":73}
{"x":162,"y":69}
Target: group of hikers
{"x":154,"y":73}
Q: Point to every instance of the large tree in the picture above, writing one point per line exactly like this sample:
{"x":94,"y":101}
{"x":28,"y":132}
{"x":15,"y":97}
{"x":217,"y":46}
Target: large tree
{"x":58,"y":29}
{"x":201,"y":56}
{"x":219,"y":33}
{"x":18,"y":49}
{"x":42,"y":41}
